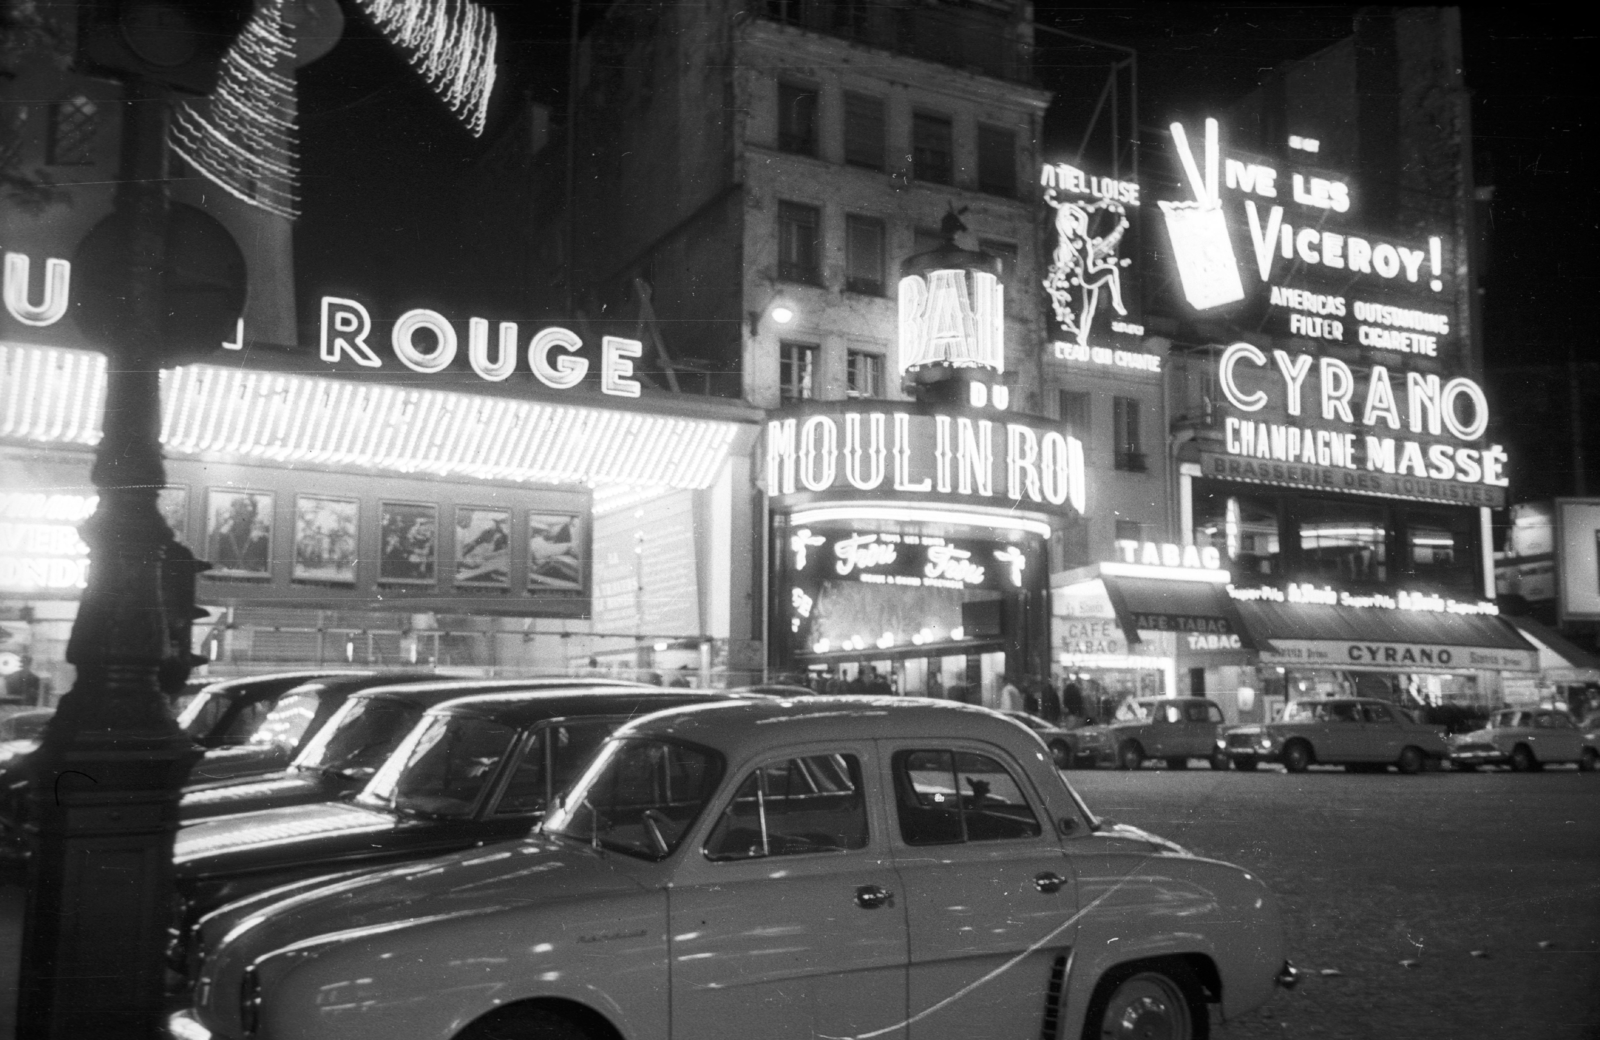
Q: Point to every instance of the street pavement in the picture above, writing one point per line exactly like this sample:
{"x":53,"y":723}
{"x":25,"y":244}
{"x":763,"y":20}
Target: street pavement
{"x":1376,"y":870}
{"x":1373,"y":871}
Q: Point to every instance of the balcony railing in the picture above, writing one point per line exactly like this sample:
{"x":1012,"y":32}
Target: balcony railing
{"x":976,"y":39}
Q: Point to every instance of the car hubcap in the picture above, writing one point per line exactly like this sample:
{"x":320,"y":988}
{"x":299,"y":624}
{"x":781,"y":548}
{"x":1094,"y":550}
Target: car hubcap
{"x":1147,"y":1007}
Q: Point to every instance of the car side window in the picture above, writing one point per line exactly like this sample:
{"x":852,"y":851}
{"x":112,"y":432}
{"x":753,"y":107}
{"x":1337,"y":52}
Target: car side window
{"x":792,"y":807}
{"x":1196,"y":712}
{"x":1376,"y":713}
{"x":553,"y":758}
{"x":1553,"y":721}
{"x":286,"y":722}
{"x":1339,"y":713}
{"x":950,"y":797}
{"x":244,"y":722}
{"x":1214,"y":714}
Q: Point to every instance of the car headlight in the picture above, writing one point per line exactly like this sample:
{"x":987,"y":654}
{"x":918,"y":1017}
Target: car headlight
{"x":1221,"y":743}
{"x":1266,"y":742}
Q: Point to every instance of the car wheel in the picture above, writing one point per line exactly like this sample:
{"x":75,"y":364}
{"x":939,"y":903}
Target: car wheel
{"x":1411,"y":760}
{"x":1297,"y":756}
{"x":1589,"y":759}
{"x":1060,"y":754}
{"x":1522,"y":760}
{"x":1218,"y":761}
{"x":1130,"y":756}
{"x":1177,"y":763}
{"x":1245,"y":765}
{"x":1147,"y":1004}
{"x":533,"y":1023}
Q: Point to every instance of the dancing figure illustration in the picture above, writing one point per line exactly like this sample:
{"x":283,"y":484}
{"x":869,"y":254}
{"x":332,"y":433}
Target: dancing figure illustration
{"x":1084,"y":263}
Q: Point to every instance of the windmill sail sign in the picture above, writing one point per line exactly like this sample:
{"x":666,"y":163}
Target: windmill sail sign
{"x":1280,"y":246}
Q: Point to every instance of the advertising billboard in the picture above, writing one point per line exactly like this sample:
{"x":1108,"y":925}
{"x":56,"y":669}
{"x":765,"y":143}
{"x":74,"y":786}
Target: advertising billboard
{"x":1578,"y":558}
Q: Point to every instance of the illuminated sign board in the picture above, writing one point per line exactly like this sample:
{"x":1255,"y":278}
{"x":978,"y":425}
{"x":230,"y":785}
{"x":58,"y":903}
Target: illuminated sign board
{"x":40,"y":551}
{"x":1316,"y":423}
{"x":46,"y":307}
{"x":1279,"y":247}
{"x":1092,"y":281}
{"x":866,"y":449}
{"x":906,"y":559}
{"x":1419,"y":657}
{"x":956,"y":317}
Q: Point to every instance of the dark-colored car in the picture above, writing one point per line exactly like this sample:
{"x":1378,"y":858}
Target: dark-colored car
{"x":1358,"y":733}
{"x":472,"y":771}
{"x":1082,"y":748}
{"x":263,"y":734}
{"x":1172,"y":729}
{"x":343,"y":755}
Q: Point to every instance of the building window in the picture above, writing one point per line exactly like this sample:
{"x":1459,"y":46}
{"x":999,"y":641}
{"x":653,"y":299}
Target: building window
{"x":932,"y":155}
{"x":863,"y":131}
{"x":863,"y":374}
{"x":799,"y":242}
{"x":1130,"y":531}
{"x":1343,"y":541}
{"x":1072,"y":408}
{"x":73,"y":123}
{"x":797,"y":372}
{"x":797,"y":119}
{"x":1242,"y":528}
{"x":1128,"y":447}
{"x":1006,"y":251}
{"x":1441,"y":547}
{"x":997,"y":161}
{"x":863,"y":255}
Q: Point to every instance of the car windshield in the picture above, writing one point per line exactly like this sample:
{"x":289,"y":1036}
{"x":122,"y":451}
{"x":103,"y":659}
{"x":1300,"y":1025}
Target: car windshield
{"x":639,"y":797}
{"x":202,"y":713}
{"x":359,"y":737}
{"x":442,"y":767}
{"x":287,"y":720}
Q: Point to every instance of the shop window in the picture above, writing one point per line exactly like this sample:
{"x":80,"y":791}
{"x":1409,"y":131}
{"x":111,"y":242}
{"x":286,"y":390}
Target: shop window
{"x":863,"y":374}
{"x":799,"y":242}
{"x":74,"y":122}
{"x":1344,"y":541}
{"x":797,"y":371}
{"x":863,"y":255}
{"x":797,"y":119}
{"x":1072,"y":408}
{"x":932,"y":152}
{"x":997,"y":161}
{"x":1243,"y":528}
{"x":1128,"y":447}
{"x":1440,"y":547}
{"x":1006,"y":251}
{"x":863,"y":131}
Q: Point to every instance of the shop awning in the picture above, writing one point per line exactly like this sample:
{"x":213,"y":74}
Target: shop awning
{"x":1310,"y":635}
{"x":1560,"y":659}
{"x":1162,"y":605}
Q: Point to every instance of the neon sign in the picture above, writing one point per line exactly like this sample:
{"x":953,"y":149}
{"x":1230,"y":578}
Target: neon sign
{"x":40,"y":550}
{"x":52,"y":303}
{"x":955,"y":317}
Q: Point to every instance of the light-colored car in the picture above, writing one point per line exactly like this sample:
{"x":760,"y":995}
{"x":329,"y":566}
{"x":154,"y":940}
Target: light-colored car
{"x":1083,"y":748}
{"x":831,"y":866}
{"x":1168,"y":729}
{"x":1358,"y":733}
{"x":1525,"y":739}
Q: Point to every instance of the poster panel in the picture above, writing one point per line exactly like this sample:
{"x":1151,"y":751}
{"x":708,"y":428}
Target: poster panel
{"x":325,"y":539}
{"x":239,"y":533}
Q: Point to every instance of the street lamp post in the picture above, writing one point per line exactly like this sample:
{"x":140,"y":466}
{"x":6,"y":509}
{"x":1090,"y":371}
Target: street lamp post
{"x":102,"y":806}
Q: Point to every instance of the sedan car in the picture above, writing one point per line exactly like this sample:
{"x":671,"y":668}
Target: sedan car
{"x":1082,"y":748}
{"x":1170,"y":729}
{"x":345,"y":753}
{"x":1526,"y":739}
{"x":472,"y":770}
{"x":821,"y":867}
{"x":1356,"y":732}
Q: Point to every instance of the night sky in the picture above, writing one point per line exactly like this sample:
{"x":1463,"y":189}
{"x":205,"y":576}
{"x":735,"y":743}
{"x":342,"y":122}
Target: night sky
{"x":381,"y":157}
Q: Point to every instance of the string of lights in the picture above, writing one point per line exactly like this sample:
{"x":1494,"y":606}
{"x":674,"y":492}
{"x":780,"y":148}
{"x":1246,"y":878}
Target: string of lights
{"x":242,"y":138}
{"x":451,"y":42}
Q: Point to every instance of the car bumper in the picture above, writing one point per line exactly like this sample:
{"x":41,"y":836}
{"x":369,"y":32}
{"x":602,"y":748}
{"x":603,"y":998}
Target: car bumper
{"x":1257,"y":754}
{"x":1479,"y":757}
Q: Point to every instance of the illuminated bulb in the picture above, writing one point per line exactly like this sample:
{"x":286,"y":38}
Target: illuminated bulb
{"x":918,"y":639}
{"x":885,"y":641}
{"x":959,"y":632}
{"x":661,"y":646}
{"x":821,"y":646}
{"x":782,"y":314}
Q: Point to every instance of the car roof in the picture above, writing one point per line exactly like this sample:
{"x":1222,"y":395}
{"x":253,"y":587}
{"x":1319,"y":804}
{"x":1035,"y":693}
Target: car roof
{"x":1345,"y":700}
{"x":437,"y":691}
{"x":743,"y":727}
{"x":536,"y":705}
{"x":245,"y":684}
{"x":1172,"y":700}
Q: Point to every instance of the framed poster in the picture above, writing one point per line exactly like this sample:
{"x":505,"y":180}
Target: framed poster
{"x":239,"y":533}
{"x":325,"y":539}
{"x":553,"y":560}
{"x":1577,"y":563}
{"x":483,"y":547}
{"x":173,"y":502}
{"x":409,"y":547}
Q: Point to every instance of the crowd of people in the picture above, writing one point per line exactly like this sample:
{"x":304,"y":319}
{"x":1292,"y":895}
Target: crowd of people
{"x":1057,"y":702}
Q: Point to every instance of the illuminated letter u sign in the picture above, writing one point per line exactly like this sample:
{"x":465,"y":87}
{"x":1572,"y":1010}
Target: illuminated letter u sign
{"x":57,"y":280}
{"x":1244,"y":402}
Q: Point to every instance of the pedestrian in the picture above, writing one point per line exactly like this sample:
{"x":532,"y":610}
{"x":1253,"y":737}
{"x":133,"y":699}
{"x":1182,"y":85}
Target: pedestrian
{"x":1030,"y":695}
{"x":856,"y":685}
{"x":1050,"y":703}
{"x":1072,"y":702}
{"x":681,"y":678}
{"x":1010,"y":696}
{"x":935,"y":685}
{"x":24,"y":686}
{"x":878,"y":684}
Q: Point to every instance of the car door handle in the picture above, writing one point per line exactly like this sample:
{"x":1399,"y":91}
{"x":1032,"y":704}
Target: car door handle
{"x":870,"y":897}
{"x":1048,"y":882}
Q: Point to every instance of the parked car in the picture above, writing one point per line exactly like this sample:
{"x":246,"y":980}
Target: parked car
{"x":781,"y":869}
{"x":345,"y":753}
{"x":472,"y":770}
{"x":1526,"y":739}
{"x":1355,"y":732}
{"x":21,"y":732}
{"x":1172,"y":729}
{"x":1082,"y":748}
